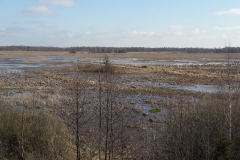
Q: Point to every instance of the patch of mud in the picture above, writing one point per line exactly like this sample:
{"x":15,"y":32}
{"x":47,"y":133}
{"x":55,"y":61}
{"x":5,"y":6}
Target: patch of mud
{"x":153,"y":81}
{"x":64,"y":61}
{"x":198,"y":88}
{"x":144,"y":62}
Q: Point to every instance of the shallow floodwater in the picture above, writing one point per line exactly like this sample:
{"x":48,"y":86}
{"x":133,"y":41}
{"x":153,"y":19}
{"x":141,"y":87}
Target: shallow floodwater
{"x":142,"y":62}
{"x":198,"y":88}
{"x":151,"y":81}
{"x":18,"y":65}
{"x":62,"y":61}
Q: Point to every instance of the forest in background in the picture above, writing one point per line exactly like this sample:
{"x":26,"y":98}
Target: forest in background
{"x":100,"y":49}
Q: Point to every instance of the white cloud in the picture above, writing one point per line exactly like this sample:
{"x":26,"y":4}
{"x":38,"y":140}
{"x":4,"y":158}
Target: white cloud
{"x":48,"y":25}
{"x":70,"y":35}
{"x":42,"y":24}
{"x":176,"y":27}
{"x":2,"y":29}
{"x":196,"y":31}
{"x":223,"y":36}
{"x":67,"y":3}
{"x":15,"y":29}
{"x":87,"y":33}
{"x":227,"y":28}
{"x":178,"y":30}
{"x":36,"y":22}
{"x":43,"y":10}
{"x":171,"y":31}
{"x":144,"y":33}
{"x":67,"y":34}
{"x":229,"y":12}
{"x":179,"y":33}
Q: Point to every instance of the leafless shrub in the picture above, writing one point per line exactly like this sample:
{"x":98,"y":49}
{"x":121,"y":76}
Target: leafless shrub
{"x":31,"y":135}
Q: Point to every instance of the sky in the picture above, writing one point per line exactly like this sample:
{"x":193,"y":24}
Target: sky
{"x":120,"y":23}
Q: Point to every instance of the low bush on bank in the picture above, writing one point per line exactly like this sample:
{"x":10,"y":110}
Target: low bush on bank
{"x":30,"y":135}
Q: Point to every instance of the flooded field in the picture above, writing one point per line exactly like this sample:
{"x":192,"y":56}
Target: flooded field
{"x":64,"y":61}
{"x":138,"y":94}
{"x":148,"y":77}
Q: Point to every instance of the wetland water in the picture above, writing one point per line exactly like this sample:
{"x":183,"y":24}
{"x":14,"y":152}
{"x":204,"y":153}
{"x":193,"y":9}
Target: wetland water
{"x":18,"y":65}
{"x":62,"y":61}
{"x":144,"y":102}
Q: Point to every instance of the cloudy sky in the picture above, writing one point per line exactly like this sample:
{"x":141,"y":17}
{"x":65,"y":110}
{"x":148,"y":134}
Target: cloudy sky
{"x":121,"y":23}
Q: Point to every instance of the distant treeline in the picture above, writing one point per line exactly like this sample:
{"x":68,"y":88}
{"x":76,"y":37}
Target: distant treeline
{"x":96,"y":49}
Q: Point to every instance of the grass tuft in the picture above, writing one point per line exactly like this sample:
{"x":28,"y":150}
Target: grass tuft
{"x":155,"y":110}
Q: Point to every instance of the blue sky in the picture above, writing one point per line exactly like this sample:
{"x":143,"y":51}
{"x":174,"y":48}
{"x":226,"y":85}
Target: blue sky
{"x":120,"y":23}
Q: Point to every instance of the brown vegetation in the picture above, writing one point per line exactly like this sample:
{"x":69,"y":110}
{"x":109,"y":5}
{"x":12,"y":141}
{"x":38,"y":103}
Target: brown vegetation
{"x":92,"y":117}
{"x":143,"y":55}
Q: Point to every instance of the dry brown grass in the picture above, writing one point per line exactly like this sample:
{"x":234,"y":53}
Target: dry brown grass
{"x":174,"y":75}
{"x":142,"y":55}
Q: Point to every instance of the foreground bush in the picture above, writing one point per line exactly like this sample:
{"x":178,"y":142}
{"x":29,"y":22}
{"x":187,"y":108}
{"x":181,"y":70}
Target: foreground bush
{"x":28,"y":135}
{"x":201,"y":130}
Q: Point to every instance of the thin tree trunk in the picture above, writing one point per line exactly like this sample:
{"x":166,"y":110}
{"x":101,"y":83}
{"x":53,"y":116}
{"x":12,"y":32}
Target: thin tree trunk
{"x":77,"y":123}
{"x":107,"y":121}
{"x":22,"y":134}
{"x":100,"y":117}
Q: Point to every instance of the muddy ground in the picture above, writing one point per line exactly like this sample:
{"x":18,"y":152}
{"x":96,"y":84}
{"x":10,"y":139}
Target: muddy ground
{"x":143,"y":55}
{"x":141,"y":82}
{"x":152,"y":75}
{"x":46,"y":81}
